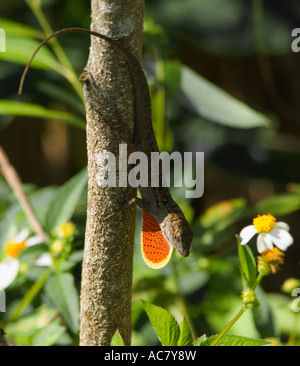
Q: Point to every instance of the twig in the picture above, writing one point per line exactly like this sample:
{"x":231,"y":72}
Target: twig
{"x":14,"y":181}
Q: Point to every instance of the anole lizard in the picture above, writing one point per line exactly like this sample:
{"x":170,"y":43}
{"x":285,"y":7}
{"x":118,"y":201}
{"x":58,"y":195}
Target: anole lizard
{"x":157,"y":201}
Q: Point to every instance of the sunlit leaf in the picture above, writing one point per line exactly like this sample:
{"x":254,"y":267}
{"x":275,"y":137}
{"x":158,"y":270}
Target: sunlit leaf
{"x":280,"y":204}
{"x":234,"y":340}
{"x":117,"y":340}
{"x":216,"y":105}
{"x":20,"y":50}
{"x":223,"y":212}
{"x":48,"y":335}
{"x":247,"y":262}
{"x":33,"y":110}
{"x":199,"y":341}
{"x":33,"y":329}
{"x":61,"y":290}
{"x":65,"y":201}
{"x":164,"y":324}
{"x":186,"y":338}
{"x":13,"y":28}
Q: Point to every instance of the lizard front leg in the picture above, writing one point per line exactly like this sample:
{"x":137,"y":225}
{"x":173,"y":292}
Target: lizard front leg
{"x":139,"y":202}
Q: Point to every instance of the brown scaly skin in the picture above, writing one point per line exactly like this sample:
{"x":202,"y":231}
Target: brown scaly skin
{"x":155,"y":200}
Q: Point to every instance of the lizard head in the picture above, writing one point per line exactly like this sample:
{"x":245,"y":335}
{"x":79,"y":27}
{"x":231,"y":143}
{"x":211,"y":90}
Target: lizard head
{"x":177,"y":232}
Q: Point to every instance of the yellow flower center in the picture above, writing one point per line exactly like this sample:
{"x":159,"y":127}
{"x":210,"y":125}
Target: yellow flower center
{"x":264,"y":223}
{"x":270,"y":261}
{"x":274,"y":256}
{"x":13,"y":249}
{"x":66,"y":230}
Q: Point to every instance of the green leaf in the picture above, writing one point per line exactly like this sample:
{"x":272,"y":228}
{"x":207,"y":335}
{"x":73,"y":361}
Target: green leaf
{"x":223,"y":213}
{"x":264,"y":318}
{"x":215,"y":104}
{"x":15,"y":108}
{"x":192,"y":280}
{"x":24,"y":330}
{"x":20,"y":50}
{"x":33,"y":252}
{"x":117,"y":340}
{"x":13,"y":28}
{"x":47,"y":336}
{"x":280,"y":204}
{"x":234,"y":340}
{"x":40,"y":201}
{"x":199,"y":341}
{"x":281,"y":306}
{"x":185,"y":338}
{"x":61,"y":290}
{"x":172,"y":70}
{"x":65,"y":200}
{"x":247,"y":262}
{"x":164,"y":324}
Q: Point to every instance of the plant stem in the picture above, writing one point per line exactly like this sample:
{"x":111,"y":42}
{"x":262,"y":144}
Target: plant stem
{"x":182,"y":301}
{"x":29,"y":296}
{"x":257,"y":281}
{"x":229,"y":325}
{"x":293,"y":333}
{"x":15,"y":183}
{"x":239,"y":314}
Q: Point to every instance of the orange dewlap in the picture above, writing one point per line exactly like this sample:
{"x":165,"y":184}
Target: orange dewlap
{"x":156,"y":250}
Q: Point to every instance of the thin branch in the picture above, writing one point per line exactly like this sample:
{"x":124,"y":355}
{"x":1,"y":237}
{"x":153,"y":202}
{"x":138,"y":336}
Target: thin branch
{"x":14,"y":181}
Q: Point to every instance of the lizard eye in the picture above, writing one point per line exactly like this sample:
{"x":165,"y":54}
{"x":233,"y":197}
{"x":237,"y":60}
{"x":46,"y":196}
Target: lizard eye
{"x":160,"y":203}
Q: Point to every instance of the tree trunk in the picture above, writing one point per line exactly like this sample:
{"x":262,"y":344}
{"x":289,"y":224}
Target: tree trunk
{"x":108,"y":255}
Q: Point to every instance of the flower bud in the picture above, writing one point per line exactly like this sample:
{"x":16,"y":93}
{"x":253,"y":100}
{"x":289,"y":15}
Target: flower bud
{"x":66,"y":230}
{"x":290,"y":284}
{"x":57,"y":247}
{"x":249,"y":299}
{"x":270,"y":261}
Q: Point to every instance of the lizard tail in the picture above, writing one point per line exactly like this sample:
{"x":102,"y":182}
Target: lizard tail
{"x":62,"y":31}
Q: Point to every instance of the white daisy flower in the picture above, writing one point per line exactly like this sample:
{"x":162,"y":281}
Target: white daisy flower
{"x":9,"y":265}
{"x":269,"y":232}
{"x":9,"y":268}
{"x":45,"y":260}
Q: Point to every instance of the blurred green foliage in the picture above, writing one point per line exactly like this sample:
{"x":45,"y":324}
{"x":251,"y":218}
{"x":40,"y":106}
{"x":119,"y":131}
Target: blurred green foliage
{"x":223,"y":80}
